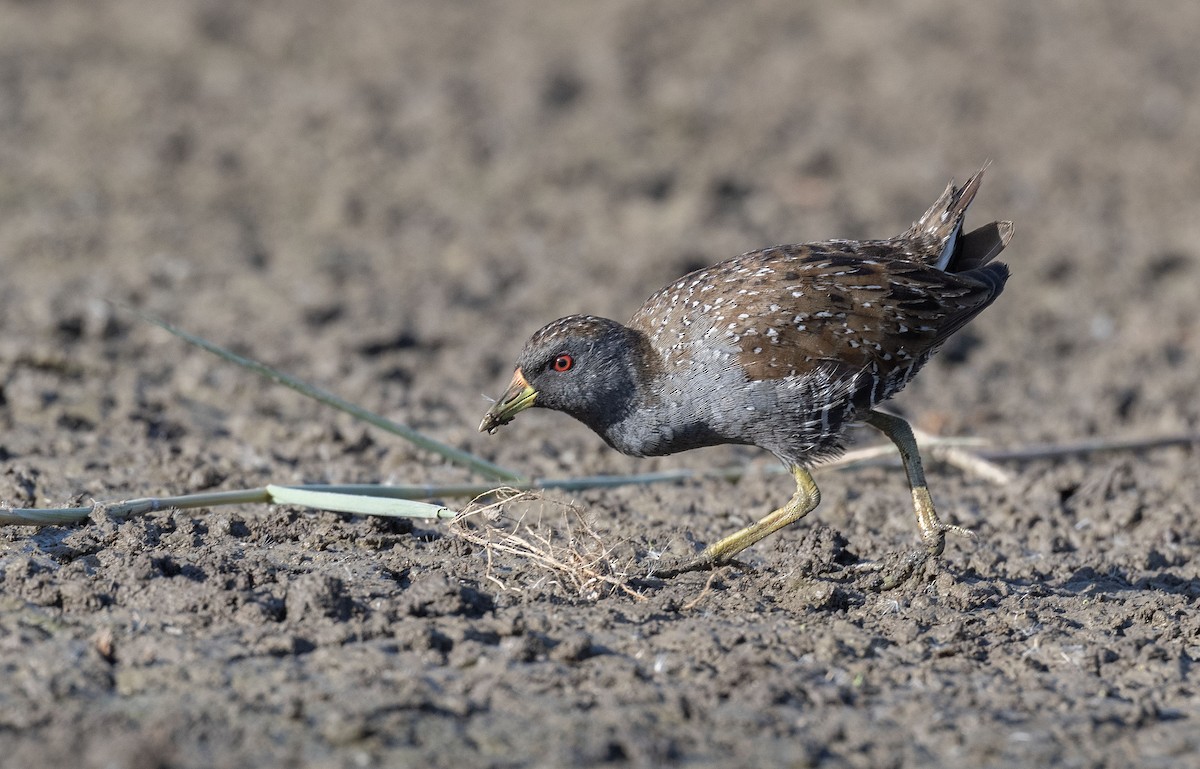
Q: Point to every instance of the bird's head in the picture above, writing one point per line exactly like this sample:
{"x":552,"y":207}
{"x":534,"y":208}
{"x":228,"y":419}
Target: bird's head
{"x":582,"y":365}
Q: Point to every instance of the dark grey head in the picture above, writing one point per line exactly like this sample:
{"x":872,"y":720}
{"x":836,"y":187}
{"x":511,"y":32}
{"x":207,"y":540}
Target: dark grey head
{"x":582,"y":365}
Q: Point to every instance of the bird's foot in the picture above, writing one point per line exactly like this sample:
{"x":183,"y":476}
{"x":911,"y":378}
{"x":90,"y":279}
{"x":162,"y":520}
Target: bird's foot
{"x":899,"y":568}
{"x":705,"y":561}
{"x":934,"y":535}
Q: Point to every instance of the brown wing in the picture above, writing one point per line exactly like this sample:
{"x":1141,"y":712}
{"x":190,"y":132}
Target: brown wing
{"x":849,"y":307}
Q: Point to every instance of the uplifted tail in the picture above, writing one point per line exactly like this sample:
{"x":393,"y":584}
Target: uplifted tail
{"x":943,"y":222}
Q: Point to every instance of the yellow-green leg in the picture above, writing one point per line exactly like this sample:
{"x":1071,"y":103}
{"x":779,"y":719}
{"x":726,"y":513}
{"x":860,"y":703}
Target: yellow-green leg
{"x":807,"y":497}
{"x":933,"y":531}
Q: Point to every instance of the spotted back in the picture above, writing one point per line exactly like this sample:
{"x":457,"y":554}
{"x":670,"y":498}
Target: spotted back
{"x":872,"y":311}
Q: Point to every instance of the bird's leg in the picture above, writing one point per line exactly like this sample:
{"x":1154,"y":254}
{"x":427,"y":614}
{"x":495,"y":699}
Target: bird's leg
{"x":933,"y":531}
{"x":807,"y":497}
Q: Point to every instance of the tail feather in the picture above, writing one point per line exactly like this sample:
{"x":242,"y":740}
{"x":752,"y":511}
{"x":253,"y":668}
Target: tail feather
{"x":941,"y":227}
{"x":978,"y":247}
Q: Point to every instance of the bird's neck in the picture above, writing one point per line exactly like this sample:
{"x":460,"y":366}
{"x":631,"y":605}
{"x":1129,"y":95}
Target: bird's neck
{"x":627,"y":387}
{"x":641,"y":416}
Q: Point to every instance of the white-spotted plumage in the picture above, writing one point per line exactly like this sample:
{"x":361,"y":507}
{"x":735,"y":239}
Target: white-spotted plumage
{"x":782,"y":347}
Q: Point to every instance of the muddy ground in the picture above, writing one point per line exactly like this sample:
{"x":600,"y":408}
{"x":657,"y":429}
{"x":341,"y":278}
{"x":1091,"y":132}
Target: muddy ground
{"x":387,"y":198}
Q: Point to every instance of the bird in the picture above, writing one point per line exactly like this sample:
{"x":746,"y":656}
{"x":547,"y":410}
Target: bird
{"x":783,"y":348}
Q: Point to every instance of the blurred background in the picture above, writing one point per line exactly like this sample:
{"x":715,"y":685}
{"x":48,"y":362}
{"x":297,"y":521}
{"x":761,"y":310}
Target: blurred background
{"x":386,"y":198}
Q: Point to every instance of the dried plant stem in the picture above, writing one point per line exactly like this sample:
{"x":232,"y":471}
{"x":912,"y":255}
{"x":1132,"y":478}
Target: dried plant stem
{"x":965,"y":461}
{"x":1091,"y":446}
{"x":297,"y":495}
{"x":957,"y":449}
{"x":581,"y":564}
{"x":712,"y":577}
{"x":341,"y":497}
{"x":10,"y":516}
{"x":457,"y":456}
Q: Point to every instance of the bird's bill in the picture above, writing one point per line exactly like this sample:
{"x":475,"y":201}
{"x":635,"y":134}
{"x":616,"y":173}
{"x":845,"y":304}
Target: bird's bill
{"x":519,"y":396}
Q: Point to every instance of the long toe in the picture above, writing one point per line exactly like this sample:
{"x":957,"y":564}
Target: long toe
{"x":935,"y":536}
{"x":702,"y":562}
{"x":677,"y":566}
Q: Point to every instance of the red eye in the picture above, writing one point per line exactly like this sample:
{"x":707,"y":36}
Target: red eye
{"x":563,"y":362}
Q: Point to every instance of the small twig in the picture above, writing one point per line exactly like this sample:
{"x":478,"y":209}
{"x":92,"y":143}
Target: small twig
{"x":971,"y":464}
{"x":1085,"y":447}
{"x":885,"y":454}
{"x":575,"y":565}
{"x":980,"y":462}
{"x":703,"y":592}
{"x":10,"y":516}
{"x":322,"y":498}
{"x":457,"y":456}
